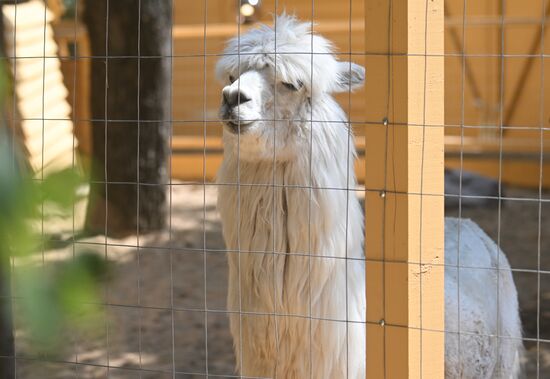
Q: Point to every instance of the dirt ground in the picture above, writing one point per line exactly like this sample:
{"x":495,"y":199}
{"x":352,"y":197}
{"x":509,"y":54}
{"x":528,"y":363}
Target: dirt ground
{"x":155,"y":321}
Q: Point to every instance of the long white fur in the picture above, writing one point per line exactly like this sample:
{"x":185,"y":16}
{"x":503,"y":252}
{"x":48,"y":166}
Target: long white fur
{"x":290,"y":223}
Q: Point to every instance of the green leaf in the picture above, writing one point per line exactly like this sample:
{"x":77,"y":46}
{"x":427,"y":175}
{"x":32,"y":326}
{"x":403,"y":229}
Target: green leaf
{"x":60,"y":188}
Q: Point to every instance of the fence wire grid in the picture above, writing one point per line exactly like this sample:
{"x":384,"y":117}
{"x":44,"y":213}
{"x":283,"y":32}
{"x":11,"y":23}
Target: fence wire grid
{"x":164,"y":308}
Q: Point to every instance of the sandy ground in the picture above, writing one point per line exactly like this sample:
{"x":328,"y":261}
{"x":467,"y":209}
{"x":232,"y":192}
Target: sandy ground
{"x":158,"y":293}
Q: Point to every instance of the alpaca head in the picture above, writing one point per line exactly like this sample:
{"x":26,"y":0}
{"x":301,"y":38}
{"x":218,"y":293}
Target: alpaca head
{"x":273,"y":76}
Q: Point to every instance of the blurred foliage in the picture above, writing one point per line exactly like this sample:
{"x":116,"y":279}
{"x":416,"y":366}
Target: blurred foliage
{"x":49,"y":298}
{"x":52,"y":297}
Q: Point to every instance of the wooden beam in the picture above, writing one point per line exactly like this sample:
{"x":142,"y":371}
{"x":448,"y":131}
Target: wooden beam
{"x":404,"y":169}
{"x":515,"y":160}
{"x":525,"y":71}
{"x":188,"y":154}
{"x":228,"y":30}
{"x":40,"y":91}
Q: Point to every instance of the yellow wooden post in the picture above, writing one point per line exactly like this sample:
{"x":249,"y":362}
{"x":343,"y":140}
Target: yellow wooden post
{"x":404,"y":182}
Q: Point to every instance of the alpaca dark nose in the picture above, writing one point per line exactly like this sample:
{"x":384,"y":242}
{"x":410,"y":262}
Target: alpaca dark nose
{"x":234,"y":98}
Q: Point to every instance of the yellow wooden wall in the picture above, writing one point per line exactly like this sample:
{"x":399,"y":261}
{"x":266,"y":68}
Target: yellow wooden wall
{"x":193,"y":74}
{"x":196,"y":49}
{"x":196,"y":93}
{"x":502,"y":80}
{"x":483,"y":44}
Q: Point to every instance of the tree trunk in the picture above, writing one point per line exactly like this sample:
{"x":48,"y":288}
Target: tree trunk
{"x":130,"y":137}
{"x":7,"y":346}
{"x":7,"y":351}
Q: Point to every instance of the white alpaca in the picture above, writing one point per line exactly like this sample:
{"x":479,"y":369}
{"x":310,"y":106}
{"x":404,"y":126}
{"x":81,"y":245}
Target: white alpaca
{"x":289,"y":281}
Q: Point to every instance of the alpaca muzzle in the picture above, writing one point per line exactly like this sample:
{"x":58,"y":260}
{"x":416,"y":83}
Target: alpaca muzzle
{"x":237,"y":127}
{"x":232,"y":121}
{"x":229,"y":114}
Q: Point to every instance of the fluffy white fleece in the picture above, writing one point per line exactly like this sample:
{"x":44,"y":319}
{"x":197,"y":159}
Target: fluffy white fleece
{"x":290,"y":220}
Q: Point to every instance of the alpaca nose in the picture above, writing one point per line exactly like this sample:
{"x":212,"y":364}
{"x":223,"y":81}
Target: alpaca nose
{"x":234,"y":97}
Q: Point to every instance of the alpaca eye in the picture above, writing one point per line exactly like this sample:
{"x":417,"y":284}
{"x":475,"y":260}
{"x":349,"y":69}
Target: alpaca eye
{"x":290,"y":86}
{"x":231,"y":78}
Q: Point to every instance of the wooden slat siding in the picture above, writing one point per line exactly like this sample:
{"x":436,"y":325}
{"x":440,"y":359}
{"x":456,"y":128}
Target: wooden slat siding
{"x":55,"y":155}
{"x":482,"y":37}
{"x":332,"y":20}
{"x":522,"y":24}
{"x":525,"y":145}
{"x":405,"y":313}
{"x":65,"y":31}
{"x":32,"y":87}
{"x":515,"y":171}
{"x":520,"y":159}
{"x":223,"y":11}
{"x":188,"y":158}
{"x":323,"y":9}
{"x":53,"y":102}
{"x":44,"y":112}
{"x":188,"y":71}
{"x":49,"y":132}
{"x":188,"y":95}
{"x":229,"y":30}
{"x":479,"y":40}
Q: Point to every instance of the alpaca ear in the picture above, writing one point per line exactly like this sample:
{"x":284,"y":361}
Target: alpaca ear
{"x":350,"y":76}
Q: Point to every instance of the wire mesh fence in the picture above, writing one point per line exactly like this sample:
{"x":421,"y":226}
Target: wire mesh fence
{"x":227,"y":183}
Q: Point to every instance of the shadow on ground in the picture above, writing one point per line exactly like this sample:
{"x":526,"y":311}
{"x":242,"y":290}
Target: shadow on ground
{"x":156,"y":320}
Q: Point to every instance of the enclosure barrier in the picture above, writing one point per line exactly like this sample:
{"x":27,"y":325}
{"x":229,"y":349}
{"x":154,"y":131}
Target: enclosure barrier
{"x":404,"y":188}
{"x":163,"y":306}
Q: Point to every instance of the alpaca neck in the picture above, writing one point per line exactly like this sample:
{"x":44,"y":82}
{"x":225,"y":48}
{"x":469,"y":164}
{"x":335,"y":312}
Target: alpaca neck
{"x":285,"y":204}
{"x":284,"y":211}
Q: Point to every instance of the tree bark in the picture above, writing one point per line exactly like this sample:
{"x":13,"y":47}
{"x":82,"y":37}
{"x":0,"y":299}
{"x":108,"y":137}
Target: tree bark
{"x":7,"y":345}
{"x":130,"y":128}
{"x":7,"y":350}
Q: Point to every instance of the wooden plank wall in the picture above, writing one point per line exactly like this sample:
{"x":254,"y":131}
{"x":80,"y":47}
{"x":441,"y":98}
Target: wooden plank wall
{"x":193,"y":75}
{"x":510,"y":91}
{"x":196,"y":50}
{"x":42,"y":106}
{"x":483,"y":37}
{"x":194,"y":84}
{"x":190,"y":67}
